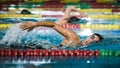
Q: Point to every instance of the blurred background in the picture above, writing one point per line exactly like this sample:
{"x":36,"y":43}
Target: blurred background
{"x":103,"y":18}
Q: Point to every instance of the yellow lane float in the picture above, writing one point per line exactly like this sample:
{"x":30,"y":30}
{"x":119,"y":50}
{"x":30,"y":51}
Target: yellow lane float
{"x":80,"y":26}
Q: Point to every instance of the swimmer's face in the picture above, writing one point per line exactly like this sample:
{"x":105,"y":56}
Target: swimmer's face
{"x":91,"y":39}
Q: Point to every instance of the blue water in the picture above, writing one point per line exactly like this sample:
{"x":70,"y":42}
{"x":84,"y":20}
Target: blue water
{"x":60,"y":62}
{"x":49,"y":37}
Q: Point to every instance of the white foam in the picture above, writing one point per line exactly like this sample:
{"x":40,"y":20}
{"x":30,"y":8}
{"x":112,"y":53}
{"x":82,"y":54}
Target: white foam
{"x":13,"y":34}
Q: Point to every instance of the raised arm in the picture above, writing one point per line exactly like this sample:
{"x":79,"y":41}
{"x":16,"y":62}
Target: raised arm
{"x":29,"y":25}
{"x":72,"y":8}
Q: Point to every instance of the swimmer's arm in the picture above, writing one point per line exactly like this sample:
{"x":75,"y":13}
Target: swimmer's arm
{"x":44,"y":23}
{"x":30,"y":25}
{"x":65,"y":32}
{"x":78,"y":10}
{"x":67,"y":13}
{"x":82,"y":14}
{"x":68,"y":34}
{"x":72,"y":8}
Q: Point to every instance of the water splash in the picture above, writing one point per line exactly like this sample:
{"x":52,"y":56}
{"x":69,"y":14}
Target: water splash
{"x":43,"y":36}
{"x":13,"y":35}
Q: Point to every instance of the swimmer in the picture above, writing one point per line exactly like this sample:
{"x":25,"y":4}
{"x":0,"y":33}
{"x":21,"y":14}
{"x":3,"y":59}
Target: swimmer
{"x":67,"y":19}
{"x":71,"y":38}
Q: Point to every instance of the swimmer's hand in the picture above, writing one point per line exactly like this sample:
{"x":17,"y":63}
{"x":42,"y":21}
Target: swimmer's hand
{"x":27,"y":26}
{"x":83,"y":14}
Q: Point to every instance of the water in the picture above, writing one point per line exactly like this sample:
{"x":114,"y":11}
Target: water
{"x":60,"y":62}
{"x":38,"y":36}
{"x":14,"y":34}
{"x":48,"y":37}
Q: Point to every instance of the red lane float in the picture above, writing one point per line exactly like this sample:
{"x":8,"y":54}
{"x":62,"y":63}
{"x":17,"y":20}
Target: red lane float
{"x":21,"y":52}
{"x":71,"y":26}
{"x":52,"y":52}
{"x":2,"y":52}
{"x":92,"y":53}
{"x":8,"y":52}
{"x":15,"y":52}
{"x":28,"y":52}
{"x":97,"y":53}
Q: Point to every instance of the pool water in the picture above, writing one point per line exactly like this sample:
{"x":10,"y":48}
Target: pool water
{"x":48,"y":37}
{"x":60,"y":62}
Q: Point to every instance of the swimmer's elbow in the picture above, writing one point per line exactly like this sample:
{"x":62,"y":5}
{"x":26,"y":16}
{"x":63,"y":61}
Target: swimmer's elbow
{"x":70,"y":7}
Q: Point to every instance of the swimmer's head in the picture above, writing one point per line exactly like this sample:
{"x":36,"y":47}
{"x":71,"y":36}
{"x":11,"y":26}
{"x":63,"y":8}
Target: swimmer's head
{"x":25,"y":11}
{"x":75,"y":20}
{"x":93,"y":39}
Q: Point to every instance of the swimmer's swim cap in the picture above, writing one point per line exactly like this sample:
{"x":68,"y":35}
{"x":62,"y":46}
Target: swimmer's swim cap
{"x":75,"y":20}
{"x":25,"y":11}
